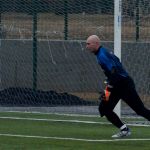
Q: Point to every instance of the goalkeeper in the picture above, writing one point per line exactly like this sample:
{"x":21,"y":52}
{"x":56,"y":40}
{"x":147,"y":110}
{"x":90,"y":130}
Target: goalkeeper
{"x":119,"y":86}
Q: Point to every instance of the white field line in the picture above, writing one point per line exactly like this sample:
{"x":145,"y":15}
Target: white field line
{"x":72,"y":121}
{"x":64,"y":114}
{"x":49,"y":113}
{"x":54,"y":120}
{"x":71,"y":139}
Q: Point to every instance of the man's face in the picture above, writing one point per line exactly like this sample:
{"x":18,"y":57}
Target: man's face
{"x":91,"y":46}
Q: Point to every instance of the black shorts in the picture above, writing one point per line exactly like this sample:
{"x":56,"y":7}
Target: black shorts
{"x":124,"y":90}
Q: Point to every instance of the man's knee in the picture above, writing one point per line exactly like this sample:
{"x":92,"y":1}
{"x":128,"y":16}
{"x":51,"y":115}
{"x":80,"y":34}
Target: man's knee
{"x":103,"y":110}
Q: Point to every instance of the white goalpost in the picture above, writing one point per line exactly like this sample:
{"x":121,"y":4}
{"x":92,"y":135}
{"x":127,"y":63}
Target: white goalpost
{"x":117,"y":39}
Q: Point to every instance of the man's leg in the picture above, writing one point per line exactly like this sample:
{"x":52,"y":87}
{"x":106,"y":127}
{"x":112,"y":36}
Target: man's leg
{"x":106,"y":108}
{"x":134,"y":101}
{"x":131,"y":97}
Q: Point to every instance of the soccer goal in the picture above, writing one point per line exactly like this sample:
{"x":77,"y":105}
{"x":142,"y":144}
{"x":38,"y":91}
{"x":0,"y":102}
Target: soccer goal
{"x":44,"y":65}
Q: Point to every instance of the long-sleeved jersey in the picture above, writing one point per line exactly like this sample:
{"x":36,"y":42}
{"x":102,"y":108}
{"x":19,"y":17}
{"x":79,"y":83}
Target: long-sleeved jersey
{"x":111,"y":66}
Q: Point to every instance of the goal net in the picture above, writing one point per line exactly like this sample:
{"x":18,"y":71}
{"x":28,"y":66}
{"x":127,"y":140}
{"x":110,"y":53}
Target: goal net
{"x":44,"y":65}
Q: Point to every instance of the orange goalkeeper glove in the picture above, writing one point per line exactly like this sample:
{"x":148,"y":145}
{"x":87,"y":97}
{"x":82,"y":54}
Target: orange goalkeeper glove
{"x":107,"y":93}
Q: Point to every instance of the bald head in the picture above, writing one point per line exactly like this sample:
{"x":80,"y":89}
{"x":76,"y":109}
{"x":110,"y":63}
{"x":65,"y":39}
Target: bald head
{"x":93,"y":43}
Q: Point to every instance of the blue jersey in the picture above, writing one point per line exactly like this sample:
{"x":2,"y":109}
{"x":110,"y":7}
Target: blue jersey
{"x":110,"y":63}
